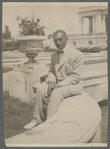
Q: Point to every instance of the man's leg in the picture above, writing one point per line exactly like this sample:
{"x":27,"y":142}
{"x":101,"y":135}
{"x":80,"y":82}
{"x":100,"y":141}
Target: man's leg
{"x":39,"y":103}
{"x":57,"y":96}
{"x":38,"y":115}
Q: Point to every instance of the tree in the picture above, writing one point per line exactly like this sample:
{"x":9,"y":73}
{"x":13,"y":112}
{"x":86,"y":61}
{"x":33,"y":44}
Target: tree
{"x":7,"y":33}
{"x":8,"y":43}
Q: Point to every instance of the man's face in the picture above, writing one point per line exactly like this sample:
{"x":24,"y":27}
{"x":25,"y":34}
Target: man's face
{"x":60,"y":40}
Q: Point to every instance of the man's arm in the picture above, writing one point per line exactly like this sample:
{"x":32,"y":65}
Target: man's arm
{"x":76,"y":73}
{"x":51,"y":70}
{"x":51,"y":76}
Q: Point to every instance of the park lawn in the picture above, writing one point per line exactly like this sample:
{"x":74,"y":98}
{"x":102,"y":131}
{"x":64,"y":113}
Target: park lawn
{"x":18,"y":114}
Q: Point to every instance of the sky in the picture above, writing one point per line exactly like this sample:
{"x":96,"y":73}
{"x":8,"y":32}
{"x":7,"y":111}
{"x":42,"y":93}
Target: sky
{"x":53,"y":15}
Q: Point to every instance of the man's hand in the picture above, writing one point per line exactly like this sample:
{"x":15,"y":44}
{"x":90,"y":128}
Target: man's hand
{"x":50,"y":78}
{"x":57,"y":86}
{"x":51,"y":86}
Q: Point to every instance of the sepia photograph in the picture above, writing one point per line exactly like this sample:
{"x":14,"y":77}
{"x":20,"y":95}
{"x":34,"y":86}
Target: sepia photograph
{"x":55,"y":74}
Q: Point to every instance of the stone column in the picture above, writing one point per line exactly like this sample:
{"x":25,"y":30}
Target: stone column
{"x":103,"y":23}
{"x":98,"y":23}
{"x":81,"y":24}
{"x":94,"y":24}
{"x":84,"y":27}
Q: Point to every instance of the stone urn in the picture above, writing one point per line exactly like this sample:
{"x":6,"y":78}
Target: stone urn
{"x":25,"y":75}
{"x":31,"y":46}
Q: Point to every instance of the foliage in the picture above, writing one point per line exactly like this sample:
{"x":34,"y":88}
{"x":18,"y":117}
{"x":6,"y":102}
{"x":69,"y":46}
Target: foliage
{"x":9,"y":45}
{"x":7,"y":33}
{"x":49,"y":49}
{"x":91,"y":48}
{"x":30,"y":27}
{"x":6,"y":69}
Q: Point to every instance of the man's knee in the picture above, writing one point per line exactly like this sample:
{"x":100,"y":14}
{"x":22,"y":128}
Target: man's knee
{"x":55,"y":99}
{"x":41,"y":88}
{"x":56,"y":93}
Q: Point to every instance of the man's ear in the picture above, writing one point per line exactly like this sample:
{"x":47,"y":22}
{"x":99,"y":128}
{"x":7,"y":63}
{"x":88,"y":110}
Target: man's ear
{"x":67,"y":38}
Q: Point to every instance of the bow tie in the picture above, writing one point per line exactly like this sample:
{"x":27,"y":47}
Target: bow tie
{"x":60,"y":51}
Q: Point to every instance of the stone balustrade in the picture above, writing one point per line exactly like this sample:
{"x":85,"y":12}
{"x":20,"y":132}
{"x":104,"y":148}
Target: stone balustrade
{"x":93,"y":39}
{"x":71,"y":36}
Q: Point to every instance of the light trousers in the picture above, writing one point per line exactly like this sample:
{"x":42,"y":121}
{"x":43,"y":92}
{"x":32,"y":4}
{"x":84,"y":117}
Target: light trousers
{"x":56,"y":97}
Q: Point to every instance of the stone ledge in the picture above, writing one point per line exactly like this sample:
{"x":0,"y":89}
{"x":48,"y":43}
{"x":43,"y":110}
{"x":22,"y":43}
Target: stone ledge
{"x":95,"y":81}
{"x":99,"y":95}
{"x":95,"y":87}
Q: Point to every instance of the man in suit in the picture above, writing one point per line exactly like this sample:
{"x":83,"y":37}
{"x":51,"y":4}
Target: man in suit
{"x":63,"y":80}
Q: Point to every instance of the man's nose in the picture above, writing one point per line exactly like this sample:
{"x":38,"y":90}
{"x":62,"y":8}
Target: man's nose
{"x":58,"y":41}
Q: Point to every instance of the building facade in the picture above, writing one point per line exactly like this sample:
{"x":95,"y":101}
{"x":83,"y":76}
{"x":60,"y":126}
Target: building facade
{"x":93,"y":27}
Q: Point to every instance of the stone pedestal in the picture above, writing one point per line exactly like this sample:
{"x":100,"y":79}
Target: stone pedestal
{"x":22,"y":80}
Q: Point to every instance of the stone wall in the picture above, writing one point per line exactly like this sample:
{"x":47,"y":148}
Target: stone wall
{"x":96,"y":84}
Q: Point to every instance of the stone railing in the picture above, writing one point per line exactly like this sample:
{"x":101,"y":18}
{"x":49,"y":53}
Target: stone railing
{"x":72,"y":36}
{"x":84,"y":40}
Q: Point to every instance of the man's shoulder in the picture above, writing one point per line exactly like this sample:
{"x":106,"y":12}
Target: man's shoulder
{"x":75,"y":51}
{"x":54,"y":53}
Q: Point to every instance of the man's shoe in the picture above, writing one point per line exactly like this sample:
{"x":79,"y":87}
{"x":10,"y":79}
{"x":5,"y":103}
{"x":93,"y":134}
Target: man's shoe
{"x":32,"y":124}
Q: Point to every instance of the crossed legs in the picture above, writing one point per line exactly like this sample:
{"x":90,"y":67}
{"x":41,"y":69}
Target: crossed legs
{"x":57,"y":96}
